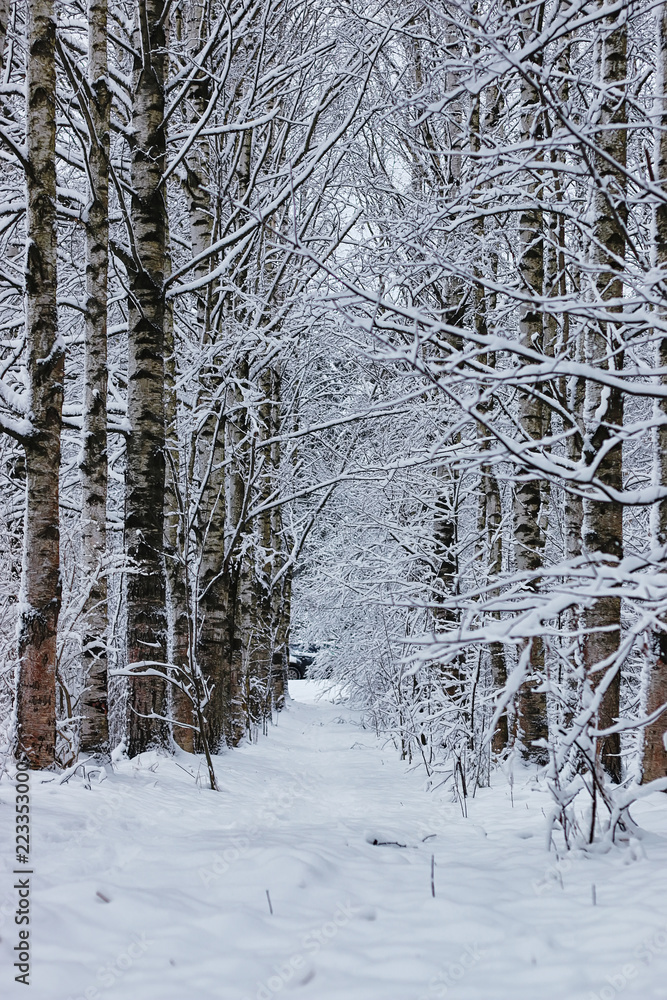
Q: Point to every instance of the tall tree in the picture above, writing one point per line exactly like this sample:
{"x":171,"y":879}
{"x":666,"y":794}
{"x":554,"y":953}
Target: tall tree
{"x":5,"y":7}
{"x":529,"y":507}
{"x":212,"y":578}
{"x":603,"y":519}
{"x":489,"y":503}
{"x":93,"y":463}
{"x":655,"y":752}
{"x":145,"y":466}
{"x":40,"y":579}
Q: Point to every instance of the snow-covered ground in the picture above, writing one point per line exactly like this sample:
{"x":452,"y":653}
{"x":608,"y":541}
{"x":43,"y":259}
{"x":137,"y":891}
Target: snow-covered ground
{"x":148,"y":886}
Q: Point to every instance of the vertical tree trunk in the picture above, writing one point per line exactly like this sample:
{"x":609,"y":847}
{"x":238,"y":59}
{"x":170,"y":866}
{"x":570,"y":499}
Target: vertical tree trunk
{"x":261,"y":661}
{"x":240,"y":593}
{"x":489,"y":508}
{"x":197,"y":183}
{"x":239,"y":549}
{"x":40,"y":580}
{"x":144,"y":488}
{"x":572,"y":393}
{"x":176,"y":544}
{"x":281,"y":595}
{"x":212,"y":583}
{"x":93,"y":464}
{"x":280,"y":661}
{"x":573,"y":504}
{"x":5,"y":6}
{"x":572,"y":388}
{"x":213,"y":597}
{"x":528,"y":492}
{"x":445,"y":583}
{"x":489,"y":517}
{"x":654,"y":763}
{"x":175,"y":550}
{"x":603,"y":521}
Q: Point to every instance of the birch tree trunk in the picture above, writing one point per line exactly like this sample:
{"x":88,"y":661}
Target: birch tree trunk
{"x":5,"y":6}
{"x":654,"y":764}
{"x":603,"y":520}
{"x":239,"y":548}
{"x":183,"y":643}
{"x":572,"y":392}
{"x":213,"y":591}
{"x":572,"y":388}
{"x":40,"y":579}
{"x":240,"y":593}
{"x":144,"y":486}
{"x":528,"y":492}
{"x":489,"y":508}
{"x":213,"y":584}
{"x":263,"y":623}
{"x":176,"y":549}
{"x":281,"y":595}
{"x":93,"y":463}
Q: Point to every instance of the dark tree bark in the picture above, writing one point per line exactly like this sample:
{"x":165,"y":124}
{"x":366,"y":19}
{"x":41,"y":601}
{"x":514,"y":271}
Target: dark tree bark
{"x":181,"y":652}
{"x":213,"y":590}
{"x":93,"y":465}
{"x":529,"y":507}
{"x":281,"y":595}
{"x":212,"y":587}
{"x":262,"y":624}
{"x":40,"y":580}
{"x":239,"y":606}
{"x":489,"y":507}
{"x":654,"y":763}
{"x":5,"y":7}
{"x":144,"y":488}
{"x":603,"y":520}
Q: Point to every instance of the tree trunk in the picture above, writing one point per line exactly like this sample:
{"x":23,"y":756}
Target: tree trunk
{"x":238,"y":613}
{"x":212,"y":583}
{"x":175,"y":550}
{"x":489,"y":507}
{"x":144,"y":488}
{"x":40,"y":580}
{"x":185,"y":649}
{"x":281,"y":595}
{"x":654,"y":764}
{"x":197,"y":183}
{"x":93,"y":464}
{"x":603,"y":521}
{"x":5,"y":6}
{"x":446,"y":580}
{"x":213,"y":591}
{"x":489,"y":517}
{"x":261,"y":659}
{"x":528,"y":491}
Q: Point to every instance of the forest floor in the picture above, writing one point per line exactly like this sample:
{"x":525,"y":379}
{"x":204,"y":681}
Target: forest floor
{"x":149,"y":886}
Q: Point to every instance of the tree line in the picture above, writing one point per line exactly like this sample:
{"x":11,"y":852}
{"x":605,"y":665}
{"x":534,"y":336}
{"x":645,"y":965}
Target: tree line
{"x":508,"y":289}
{"x":346,"y":323}
{"x":168,"y":148}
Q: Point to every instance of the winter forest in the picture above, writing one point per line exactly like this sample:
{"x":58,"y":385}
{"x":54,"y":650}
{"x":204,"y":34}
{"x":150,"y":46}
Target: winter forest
{"x":333,"y":393}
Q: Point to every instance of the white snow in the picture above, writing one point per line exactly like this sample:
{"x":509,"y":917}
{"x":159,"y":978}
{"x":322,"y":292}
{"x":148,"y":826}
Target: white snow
{"x":148,"y":886}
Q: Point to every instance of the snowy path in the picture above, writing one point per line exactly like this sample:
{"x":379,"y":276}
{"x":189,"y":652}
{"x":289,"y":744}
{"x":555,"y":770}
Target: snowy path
{"x":147,"y":888}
